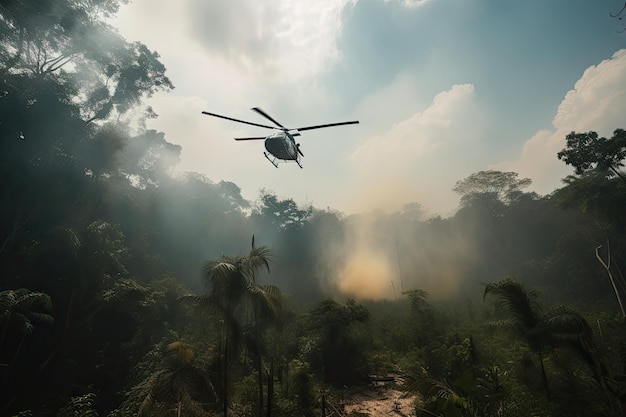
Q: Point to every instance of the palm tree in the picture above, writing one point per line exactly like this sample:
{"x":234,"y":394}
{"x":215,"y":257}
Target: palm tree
{"x":560,"y":327}
{"x":233,"y":292}
{"x":179,"y":385}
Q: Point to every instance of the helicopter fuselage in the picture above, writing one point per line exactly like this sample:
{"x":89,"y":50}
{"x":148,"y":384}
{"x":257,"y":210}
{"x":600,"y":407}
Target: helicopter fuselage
{"x":282,"y":145}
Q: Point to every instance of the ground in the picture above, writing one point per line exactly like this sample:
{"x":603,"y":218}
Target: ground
{"x":374,"y":401}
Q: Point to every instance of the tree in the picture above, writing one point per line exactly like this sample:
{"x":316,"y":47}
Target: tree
{"x":148,"y":157}
{"x":588,"y":152}
{"x":500,"y":186}
{"x":557,"y":328}
{"x":232,"y":285}
{"x":281,"y":214}
{"x":109,"y":74}
{"x":602,"y":201}
{"x":337,"y":352}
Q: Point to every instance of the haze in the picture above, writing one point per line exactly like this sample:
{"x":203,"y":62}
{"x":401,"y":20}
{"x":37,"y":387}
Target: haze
{"x":441,"y":88}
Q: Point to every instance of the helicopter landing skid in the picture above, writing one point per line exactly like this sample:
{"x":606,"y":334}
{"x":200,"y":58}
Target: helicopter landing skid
{"x":272,"y":161}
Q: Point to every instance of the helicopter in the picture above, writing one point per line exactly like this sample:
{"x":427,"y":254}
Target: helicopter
{"x":281,"y":145}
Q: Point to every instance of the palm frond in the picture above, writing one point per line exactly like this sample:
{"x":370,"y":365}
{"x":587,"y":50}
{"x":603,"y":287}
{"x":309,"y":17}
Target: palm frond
{"x":518,"y":301}
{"x":219,"y":269}
{"x":182,"y":352}
{"x":260,"y":257}
{"x":563,"y":327}
{"x":262,"y":302}
{"x":179,"y":385}
{"x":81,"y":406}
{"x":25,"y":308}
{"x":192,"y":407}
{"x":146,"y":390}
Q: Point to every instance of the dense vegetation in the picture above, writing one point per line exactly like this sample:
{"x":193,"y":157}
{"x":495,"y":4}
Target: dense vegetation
{"x":127,"y":291}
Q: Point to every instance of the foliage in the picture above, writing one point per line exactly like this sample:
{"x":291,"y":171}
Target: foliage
{"x":496,"y":185}
{"x":70,"y":41}
{"x":235,"y":294}
{"x":23,"y":308}
{"x":469,"y":395}
{"x":335,"y":350}
{"x":281,"y":214}
{"x":81,"y":406}
{"x":560,"y":327}
{"x":178,"y":385}
{"x":587,"y":151}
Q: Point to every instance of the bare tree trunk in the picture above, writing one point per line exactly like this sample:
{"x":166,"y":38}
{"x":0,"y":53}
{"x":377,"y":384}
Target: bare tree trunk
{"x":607,"y":267}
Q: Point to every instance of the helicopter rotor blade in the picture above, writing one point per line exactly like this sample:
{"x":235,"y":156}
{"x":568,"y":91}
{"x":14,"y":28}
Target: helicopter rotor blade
{"x":237,"y":120}
{"x":268,"y":117}
{"x":354,"y":122}
{"x":253,"y":138}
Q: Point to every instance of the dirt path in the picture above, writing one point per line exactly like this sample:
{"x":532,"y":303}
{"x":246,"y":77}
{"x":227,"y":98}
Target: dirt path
{"x":377,"y":401}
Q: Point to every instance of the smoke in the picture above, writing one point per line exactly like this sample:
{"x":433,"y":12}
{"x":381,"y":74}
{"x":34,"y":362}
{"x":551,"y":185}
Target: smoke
{"x":384,"y":255}
{"x":367,"y":272}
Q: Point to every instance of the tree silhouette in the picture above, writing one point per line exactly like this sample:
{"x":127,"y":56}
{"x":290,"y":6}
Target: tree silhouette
{"x":588,"y":151}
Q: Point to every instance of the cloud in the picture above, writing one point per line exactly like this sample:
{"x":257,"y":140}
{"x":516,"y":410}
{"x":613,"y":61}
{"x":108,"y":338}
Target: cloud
{"x":287,"y":39}
{"x":410,"y":3}
{"x":597,"y":102}
{"x":598,"y":99}
{"x":409,"y":140}
{"x":419,"y":153}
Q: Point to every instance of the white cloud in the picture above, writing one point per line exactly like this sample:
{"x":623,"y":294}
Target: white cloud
{"x":279,"y":40}
{"x":597,"y":102}
{"x":598,"y":99}
{"x":414,"y":158}
{"x":422,"y":131}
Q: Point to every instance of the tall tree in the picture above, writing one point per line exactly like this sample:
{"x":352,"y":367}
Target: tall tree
{"x":588,"y":151}
{"x":234,"y":292}
{"x":599,"y":191}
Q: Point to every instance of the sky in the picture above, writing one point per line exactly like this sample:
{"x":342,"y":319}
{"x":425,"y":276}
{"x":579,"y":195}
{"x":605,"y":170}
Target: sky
{"x":441,"y":88}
